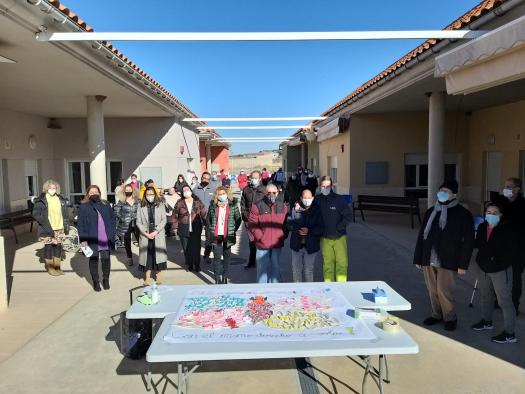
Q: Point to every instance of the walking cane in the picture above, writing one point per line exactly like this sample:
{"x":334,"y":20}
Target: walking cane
{"x":473,"y":293}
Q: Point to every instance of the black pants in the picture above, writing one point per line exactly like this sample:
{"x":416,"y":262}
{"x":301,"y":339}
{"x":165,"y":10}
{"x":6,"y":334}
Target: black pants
{"x":192,"y":249}
{"x":127,"y":241}
{"x":51,"y":251}
{"x":517,"y":272}
{"x":93,"y":265}
{"x":253,"y":250}
{"x":220,"y":268}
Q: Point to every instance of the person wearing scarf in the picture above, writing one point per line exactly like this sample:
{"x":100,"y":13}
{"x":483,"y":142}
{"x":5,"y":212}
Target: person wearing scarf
{"x":444,"y":247}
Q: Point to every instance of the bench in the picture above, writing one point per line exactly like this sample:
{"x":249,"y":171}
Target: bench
{"x":408,"y":205}
{"x":8,"y":221}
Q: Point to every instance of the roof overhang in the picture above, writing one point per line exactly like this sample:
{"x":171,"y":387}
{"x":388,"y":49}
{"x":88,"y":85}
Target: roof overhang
{"x":494,"y":59}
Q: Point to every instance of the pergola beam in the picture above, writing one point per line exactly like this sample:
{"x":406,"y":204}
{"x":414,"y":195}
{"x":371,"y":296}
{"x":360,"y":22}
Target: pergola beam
{"x":285,"y":118}
{"x":253,"y":127}
{"x":259,"y":36}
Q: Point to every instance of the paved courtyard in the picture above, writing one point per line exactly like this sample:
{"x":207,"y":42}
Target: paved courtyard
{"x":59,"y":336}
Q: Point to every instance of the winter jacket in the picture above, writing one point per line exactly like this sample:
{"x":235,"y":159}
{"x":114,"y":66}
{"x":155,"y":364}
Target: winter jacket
{"x":181,"y":217}
{"x":312,"y":184}
{"x":87,"y":223}
{"x":205,"y":194}
{"x":293,"y":190}
{"x":41,"y":215}
{"x":233,"y":222}
{"x":179,"y":185}
{"x":500,"y":251}
{"x":267,"y":224}
{"x":125,"y":214}
{"x":453,"y":244}
{"x":336,"y":214}
{"x":514,"y":214}
{"x":242,"y":180}
{"x":312,"y":219}
{"x":251,"y":195}
{"x":226,"y":182}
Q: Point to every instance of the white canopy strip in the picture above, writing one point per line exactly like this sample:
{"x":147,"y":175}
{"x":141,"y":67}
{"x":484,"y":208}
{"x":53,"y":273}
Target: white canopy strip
{"x":258,"y":36}
{"x":254,"y":119}
{"x":252,"y":127}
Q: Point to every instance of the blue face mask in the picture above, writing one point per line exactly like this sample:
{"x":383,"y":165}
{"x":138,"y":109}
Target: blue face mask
{"x":325,"y":191}
{"x":442,"y":196}
{"x":222,"y":197}
{"x":492,"y":219}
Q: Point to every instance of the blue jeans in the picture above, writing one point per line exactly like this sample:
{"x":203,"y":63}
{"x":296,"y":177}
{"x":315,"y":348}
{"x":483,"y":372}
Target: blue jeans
{"x":268,"y":265}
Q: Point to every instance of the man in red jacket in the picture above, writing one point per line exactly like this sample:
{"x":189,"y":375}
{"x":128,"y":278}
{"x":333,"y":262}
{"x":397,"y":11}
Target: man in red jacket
{"x":242,"y":180}
{"x":266,"y":225}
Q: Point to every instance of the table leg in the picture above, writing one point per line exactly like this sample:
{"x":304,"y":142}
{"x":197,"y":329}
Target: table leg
{"x":381,"y":374}
{"x":179,"y":378}
{"x":366,"y":359}
{"x":387,"y":371}
{"x":148,"y":378}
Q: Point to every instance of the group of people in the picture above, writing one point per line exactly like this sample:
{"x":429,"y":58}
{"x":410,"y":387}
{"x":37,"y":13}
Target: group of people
{"x":445,"y":244}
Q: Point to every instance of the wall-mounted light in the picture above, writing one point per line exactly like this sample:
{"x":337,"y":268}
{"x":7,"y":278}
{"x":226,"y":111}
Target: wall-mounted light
{"x":491,"y":140}
{"x":181,"y":149}
{"x":32,"y":142}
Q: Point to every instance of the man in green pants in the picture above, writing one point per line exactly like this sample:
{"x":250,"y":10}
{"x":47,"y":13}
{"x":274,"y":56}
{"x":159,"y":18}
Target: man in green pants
{"x":336,"y":216}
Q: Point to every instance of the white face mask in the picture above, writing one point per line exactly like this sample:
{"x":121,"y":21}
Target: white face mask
{"x":508,"y":193}
{"x":52,"y":192}
{"x":150,"y":199}
{"x":187,"y":194}
{"x":307,"y":201}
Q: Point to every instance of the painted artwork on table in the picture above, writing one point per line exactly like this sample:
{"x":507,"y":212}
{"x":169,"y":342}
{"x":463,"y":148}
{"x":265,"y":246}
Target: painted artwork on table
{"x":222,"y":315}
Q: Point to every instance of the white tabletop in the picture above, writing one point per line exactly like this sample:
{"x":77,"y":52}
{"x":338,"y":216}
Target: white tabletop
{"x":357,"y":293}
{"x":385,"y":343}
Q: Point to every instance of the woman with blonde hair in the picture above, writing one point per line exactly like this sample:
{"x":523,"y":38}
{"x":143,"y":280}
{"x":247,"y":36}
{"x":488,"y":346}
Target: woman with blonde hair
{"x":126,"y":214}
{"x":96,"y":229}
{"x":151,"y":220}
{"x":222,"y":222}
{"x":51,"y":213}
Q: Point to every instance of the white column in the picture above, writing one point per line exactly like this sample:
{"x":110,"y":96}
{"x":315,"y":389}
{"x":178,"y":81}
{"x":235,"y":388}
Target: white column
{"x":97,"y":143}
{"x":208,"y":157}
{"x":3,"y":276}
{"x":303,"y":164}
{"x":436,"y":143}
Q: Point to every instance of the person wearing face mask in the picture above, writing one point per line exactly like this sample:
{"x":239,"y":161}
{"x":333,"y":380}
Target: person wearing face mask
{"x":179,"y":184}
{"x":96,"y":229}
{"x":293,"y":190}
{"x":498,"y":248}
{"x":126,"y":215}
{"x":242,"y":180}
{"x":306,"y":227}
{"x":205,"y":191}
{"x":513,"y":206}
{"x":187,"y":221}
{"x":311,"y":182}
{"x":222,"y":222}
{"x":151,"y":222}
{"x":267,"y":226}
{"x":443,"y":250}
{"x":336,"y":216}
{"x":148,"y":183}
{"x":251,"y":194}
{"x":51,"y":213}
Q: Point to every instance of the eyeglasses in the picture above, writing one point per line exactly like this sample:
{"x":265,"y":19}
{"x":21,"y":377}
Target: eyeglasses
{"x":273,"y":193}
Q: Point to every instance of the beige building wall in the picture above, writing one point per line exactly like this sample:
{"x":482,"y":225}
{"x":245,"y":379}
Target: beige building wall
{"x":256,"y":161}
{"x":330,"y":149}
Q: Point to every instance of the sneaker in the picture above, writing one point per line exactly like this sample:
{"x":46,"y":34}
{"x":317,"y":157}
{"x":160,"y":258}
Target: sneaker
{"x":504,"y":337}
{"x":451,"y":325}
{"x":430,"y":321}
{"x":482,"y":325}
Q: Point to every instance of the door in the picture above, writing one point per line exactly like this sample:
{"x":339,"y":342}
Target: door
{"x":31,"y":178}
{"x":492,"y":172}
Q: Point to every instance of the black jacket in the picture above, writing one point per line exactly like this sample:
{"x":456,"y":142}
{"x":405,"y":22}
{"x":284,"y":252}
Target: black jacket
{"x":500,"y":251}
{"x":312,"y":219}
{"x":40,"y":214}
{"x":293,"y":190}
{"x":336,"y":214}
{"x":88,"y":223}
{"x":250,"y":196}
{"x":453,"y":244}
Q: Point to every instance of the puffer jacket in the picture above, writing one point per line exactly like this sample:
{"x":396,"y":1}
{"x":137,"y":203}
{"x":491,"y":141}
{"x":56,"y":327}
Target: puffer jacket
{"x":233,"y":222}
{"x":267,"y":224}
{"x":125,"y":215}
{"x":41,"y":215}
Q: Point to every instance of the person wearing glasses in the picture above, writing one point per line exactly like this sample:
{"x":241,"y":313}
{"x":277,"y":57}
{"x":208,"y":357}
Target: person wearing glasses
{"x":205,"y":191}
{"x":267,"y":227}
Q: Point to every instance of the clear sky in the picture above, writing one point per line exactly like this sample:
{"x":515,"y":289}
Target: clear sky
{"x":258,"y":79}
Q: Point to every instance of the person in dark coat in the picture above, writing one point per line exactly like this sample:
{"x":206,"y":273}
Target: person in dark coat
{"x":498,"y":248}
{"x":205,"y":190}
{"x":126,"y":216}
{"x":293,"y":190}
{"x":336,"y":216}
{"x":96,"y":229}
{"x":443,"y":250}
{"x":306,"y":227}
{"x":513,"y":206}
{"x":50,"y":211}
{"x":179,"y":184}
{"x":252,"y":193}
{"x":311,"y":182}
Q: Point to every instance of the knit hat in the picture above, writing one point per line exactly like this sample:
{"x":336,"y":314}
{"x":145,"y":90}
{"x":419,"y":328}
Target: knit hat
{"x":452,"y":185}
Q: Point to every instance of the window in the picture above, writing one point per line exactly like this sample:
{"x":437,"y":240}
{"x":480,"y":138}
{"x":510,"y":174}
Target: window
{"x":79,"y":180}
{"x":332,"y":170}
{"x":376,"y":172}
{"x":416,"y":175}
{"x":31,"y":185}
{"x":450,"y":172}
{"x":114,"y":173}
{"x":410,"y":175}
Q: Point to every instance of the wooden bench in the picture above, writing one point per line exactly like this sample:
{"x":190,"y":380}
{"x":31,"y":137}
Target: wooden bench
{"x":8,"y":221}
{"x":408,"y":205}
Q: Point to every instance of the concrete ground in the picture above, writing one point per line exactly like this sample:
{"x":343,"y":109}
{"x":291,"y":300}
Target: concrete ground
{"x":59,"y":336}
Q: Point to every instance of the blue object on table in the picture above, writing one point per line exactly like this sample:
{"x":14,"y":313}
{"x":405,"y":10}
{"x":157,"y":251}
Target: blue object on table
{"x":379,"y":295}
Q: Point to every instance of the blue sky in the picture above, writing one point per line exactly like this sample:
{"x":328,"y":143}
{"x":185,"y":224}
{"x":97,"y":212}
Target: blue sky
{"x":255,"y":79}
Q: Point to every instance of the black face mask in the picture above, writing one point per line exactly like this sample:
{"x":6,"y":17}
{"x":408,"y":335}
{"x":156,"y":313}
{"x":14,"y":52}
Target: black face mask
{"x":94,"y":198}
{"x":205,"y":183}
{"x":128,"y":194}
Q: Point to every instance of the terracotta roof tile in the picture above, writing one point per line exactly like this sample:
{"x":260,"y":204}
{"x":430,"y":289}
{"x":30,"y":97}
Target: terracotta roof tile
{"x":469,"y":17}
{"x":75,"y":18}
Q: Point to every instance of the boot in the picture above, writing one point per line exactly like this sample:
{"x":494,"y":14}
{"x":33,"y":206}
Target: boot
{"x":56,"y":264}
{"x":50,"y":268}
{"x":96,"y":286}
{"x":105,"y":283}
{"x":159,"y":278}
